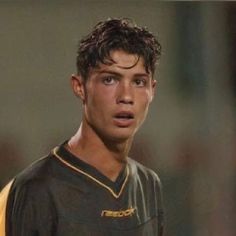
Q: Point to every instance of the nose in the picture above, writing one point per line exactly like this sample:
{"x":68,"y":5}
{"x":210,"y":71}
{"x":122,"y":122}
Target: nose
{"x":125,"y":94}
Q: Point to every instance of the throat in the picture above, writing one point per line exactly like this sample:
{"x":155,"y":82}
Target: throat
{"x":108,"y":156}
{"x":109,"y":164}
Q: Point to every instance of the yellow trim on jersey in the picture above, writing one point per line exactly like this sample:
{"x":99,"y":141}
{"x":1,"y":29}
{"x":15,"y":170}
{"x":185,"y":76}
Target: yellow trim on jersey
{"x":91,"y":177}
{"x":3,"y":204}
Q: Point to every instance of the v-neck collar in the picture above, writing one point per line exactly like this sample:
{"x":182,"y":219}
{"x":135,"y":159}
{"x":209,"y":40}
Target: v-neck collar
{"x":81,"y":167}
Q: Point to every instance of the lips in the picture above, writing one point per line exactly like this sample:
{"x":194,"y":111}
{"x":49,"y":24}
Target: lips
{"x":124,"y":115}
{"x":124,"y":118}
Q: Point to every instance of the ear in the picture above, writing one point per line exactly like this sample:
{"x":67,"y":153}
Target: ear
{"x":153,"y":88}
{"x":78,"y":87}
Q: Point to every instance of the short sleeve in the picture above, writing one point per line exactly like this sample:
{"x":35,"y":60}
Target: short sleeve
{"x":30,"y":211}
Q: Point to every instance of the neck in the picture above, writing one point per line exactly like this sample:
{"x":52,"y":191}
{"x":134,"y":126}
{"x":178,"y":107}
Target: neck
{"x":109,"y":157}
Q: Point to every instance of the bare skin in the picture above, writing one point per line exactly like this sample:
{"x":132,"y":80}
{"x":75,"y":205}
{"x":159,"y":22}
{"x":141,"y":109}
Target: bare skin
{"x":115,"y":103}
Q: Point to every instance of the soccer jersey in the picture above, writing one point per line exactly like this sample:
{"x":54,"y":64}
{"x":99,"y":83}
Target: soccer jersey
{"x":60,"y":195}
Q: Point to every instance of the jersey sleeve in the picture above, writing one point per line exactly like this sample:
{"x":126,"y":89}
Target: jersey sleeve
{"x":29,"y":211}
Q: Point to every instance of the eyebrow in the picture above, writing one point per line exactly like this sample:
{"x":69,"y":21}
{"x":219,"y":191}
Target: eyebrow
{"x":119,"y":74}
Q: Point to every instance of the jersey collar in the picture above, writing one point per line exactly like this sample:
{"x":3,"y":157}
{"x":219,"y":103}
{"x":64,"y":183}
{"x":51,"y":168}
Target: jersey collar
{"x":82,"y":168}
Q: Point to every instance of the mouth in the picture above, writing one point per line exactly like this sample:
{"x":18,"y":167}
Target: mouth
{"x":124,"y":119}
{"x":124,"y":115}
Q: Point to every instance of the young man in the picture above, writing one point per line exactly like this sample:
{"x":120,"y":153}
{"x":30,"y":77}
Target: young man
{"x":88,"y":185}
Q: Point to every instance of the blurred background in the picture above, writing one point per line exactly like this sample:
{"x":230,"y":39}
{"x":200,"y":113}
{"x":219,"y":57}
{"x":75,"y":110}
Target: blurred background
{"x":189,"y":136}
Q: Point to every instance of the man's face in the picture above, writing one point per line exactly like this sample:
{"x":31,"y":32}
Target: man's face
{"x":116,"y":97}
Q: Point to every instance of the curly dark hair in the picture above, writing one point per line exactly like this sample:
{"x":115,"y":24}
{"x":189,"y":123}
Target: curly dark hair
{"x":116,"y":34}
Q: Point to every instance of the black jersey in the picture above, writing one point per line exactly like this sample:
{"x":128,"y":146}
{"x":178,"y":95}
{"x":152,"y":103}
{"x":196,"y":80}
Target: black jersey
{"x":60,"y":195}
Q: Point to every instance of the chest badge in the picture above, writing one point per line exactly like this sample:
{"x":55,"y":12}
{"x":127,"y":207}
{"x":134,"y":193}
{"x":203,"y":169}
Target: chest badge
{"x":122,"y":213}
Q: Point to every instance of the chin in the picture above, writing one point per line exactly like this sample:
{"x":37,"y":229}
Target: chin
{"x":121,"y":136}
{"x":117,"y":134}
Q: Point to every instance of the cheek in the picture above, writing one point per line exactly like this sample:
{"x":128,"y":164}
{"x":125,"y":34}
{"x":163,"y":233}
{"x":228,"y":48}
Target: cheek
{"x":143,"y":104}
{"x":145,"y":98}
{"x":103,"y":101}
{"x":98,"y":103}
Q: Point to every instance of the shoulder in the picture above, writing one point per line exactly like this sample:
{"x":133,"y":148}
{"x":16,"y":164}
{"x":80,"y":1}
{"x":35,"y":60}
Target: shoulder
{"x":148,"y":183}
{"x":144,"y":174}
{"x":31,"y":189}
{"x":29,"y":202}
{"x":34,"y":177}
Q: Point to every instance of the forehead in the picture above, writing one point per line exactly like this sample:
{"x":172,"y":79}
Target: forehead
{"x":123,"y":62}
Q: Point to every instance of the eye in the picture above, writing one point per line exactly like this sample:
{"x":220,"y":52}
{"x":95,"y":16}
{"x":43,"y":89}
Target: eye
{"x":109,"y":80}
{"x":140,"y":82}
